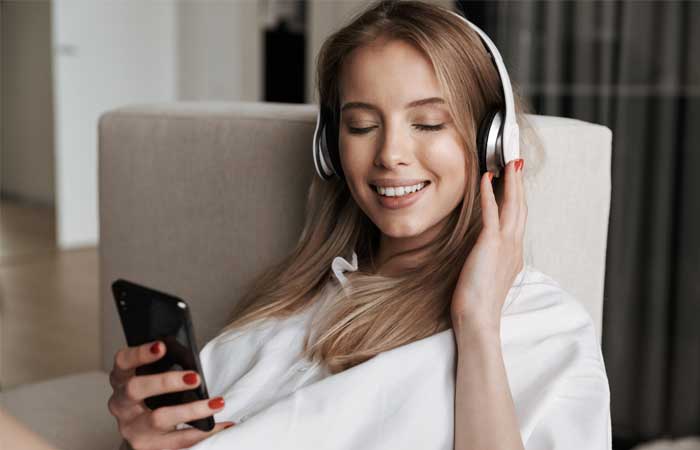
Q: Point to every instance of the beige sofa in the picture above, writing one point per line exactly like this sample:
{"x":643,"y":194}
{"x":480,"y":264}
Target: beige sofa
{"x":195,"y":198}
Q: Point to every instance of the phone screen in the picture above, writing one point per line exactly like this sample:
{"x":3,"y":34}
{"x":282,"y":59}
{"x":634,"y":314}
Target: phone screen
{"x":148,"y":315}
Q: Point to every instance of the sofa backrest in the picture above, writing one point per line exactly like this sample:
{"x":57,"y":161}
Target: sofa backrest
{"x":195,"y":198}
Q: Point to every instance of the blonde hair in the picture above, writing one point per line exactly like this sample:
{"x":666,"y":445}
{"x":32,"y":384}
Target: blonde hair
{"x":376,"y":313}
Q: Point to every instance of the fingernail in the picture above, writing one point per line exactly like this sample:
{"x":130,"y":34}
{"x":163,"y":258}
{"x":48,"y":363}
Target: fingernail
{"x":216,"y":403}
{"x":190,"y":378}
{"x":490,"y":176}
{"x":155,"y":348}
{"x":229,"y":425}
{"x":519,"y":164}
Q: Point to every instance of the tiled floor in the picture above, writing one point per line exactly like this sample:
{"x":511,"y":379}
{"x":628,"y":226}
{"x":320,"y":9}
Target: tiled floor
{"x":49,"y":308}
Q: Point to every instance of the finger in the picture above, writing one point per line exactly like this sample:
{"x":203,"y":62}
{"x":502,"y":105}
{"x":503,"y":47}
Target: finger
{"x":123,"y":409}
{"x":132,"y":411}
{"x":129,"y":358}
{"x":187,"y":438}
{"x":489,"y":207}
{"x":511,"y":199}
{"x":140,"y":387}
{"x":167,"y":417}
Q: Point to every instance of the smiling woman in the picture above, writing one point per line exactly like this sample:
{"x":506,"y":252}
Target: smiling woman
{"x":437,"y":336}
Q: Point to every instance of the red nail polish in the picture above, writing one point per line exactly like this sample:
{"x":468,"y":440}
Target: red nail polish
{"x":155,"y":348}
{"x":490,"y":175}
{"x":229,"y":425}
{"x":216,"y":403}
{"x":190,"y":378}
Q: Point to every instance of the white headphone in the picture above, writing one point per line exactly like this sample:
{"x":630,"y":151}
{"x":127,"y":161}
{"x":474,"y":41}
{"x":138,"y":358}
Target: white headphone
{"x":497,"y":142}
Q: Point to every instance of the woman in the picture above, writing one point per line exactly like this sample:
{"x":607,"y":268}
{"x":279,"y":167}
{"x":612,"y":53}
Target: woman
{"x":433,"y":333}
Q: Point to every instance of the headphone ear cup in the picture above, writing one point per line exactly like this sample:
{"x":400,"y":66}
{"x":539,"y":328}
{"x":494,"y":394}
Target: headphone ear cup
{"x":323,"y":153}
{"x":325,"y":143}
{"x":482,"y":139}
{"x":331,"y":147}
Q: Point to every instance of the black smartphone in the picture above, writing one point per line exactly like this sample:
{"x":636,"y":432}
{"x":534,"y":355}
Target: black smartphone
{"x":149,"y":315}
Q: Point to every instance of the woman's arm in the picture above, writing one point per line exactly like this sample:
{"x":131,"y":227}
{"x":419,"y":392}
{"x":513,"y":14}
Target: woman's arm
{"x":484,"y":410}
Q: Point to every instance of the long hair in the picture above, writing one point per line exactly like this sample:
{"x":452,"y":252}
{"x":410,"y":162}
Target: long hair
{"x":376,"y":313}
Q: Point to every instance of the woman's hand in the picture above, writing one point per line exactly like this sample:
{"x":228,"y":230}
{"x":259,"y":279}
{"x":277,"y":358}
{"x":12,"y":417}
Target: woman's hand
{"x":497,"y":256}
{"x":147,"y":429}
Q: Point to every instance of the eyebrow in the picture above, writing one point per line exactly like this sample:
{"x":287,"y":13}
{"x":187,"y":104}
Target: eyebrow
{"x":413,"y":104}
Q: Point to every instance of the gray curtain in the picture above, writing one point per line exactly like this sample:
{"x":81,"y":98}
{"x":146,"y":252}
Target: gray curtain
{"x":633,"y":66}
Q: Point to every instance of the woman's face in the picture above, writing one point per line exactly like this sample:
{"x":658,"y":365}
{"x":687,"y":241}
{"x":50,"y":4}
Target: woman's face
{"x":393,"y":132}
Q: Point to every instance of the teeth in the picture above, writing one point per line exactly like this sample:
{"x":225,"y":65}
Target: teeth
{"x":399,"y":191}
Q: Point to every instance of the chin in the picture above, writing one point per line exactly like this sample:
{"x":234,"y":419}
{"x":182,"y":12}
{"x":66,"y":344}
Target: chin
{"x":396,"y":230}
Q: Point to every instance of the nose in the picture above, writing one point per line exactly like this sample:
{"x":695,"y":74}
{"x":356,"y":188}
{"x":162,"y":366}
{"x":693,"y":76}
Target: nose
{"x":393,"y":149}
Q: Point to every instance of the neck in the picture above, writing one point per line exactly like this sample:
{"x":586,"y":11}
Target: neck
{"x":397,"y":254}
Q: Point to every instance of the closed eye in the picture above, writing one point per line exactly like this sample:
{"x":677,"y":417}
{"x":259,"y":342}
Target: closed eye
{"x":439,"y":126}
{"x":418,"y":126}
{"x":359,"y":130}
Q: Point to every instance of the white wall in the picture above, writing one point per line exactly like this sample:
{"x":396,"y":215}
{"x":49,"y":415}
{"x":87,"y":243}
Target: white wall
{"x":107,"y":54}
{"x":111,"y":53}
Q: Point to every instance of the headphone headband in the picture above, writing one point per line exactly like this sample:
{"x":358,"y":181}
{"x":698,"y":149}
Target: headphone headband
{"x":511,"y":130}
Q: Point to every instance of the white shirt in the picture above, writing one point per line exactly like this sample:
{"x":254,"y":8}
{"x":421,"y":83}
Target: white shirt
{"x":404,"y":398}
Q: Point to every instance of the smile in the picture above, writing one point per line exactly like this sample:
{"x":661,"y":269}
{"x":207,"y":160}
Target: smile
{"x":402,"y":200}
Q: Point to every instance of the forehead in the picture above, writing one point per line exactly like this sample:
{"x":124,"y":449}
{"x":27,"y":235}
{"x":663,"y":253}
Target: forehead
{"x":389,"y":72}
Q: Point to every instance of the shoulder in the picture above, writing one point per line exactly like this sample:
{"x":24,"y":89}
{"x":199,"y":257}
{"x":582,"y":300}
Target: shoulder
{"x":540,"y":300}
{"x":555,"y":365}
{"x":546,"y":331}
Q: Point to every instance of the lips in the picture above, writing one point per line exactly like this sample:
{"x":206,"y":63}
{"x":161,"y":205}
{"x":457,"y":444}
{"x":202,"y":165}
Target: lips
{"x":396,"y":182}
{"x":374,"y":186}
{"x":403,"y":201}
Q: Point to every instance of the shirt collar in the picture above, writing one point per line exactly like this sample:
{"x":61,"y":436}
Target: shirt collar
{"x":340,"y":265}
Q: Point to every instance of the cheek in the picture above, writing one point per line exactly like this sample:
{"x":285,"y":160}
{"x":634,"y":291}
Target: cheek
{"x":356,"y":161}
{"x":448,"y":163}
{"x":352,"y":159}
{"x":355,"y":166}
